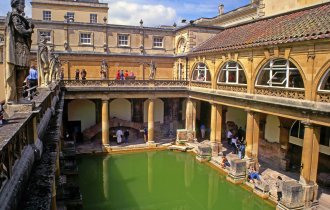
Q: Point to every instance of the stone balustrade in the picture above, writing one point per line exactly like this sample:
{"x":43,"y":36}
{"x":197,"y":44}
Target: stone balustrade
{"x":234,"y":87}
{"x":323,"y":96}
{"x":281,"y":92}
{"x":201,"y":84}
{"x":21,"y":142}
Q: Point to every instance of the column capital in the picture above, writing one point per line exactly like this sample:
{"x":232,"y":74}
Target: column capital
{"x":308,"y":124}
{"x":105,"y":99}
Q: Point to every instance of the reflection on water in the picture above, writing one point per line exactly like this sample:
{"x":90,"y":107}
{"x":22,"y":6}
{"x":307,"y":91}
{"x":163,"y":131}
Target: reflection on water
{"x":159,"y":181}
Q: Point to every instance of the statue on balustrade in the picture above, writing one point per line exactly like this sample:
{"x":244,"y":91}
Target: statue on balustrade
{"x":104,"y":70}
{"x":54,"y":66}
{"x":43,"y":62}
{"x":18,"y":44}
{"x":153,"y":69}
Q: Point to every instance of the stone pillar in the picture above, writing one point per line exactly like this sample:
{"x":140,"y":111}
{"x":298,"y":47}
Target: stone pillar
{"x":310,"y":153}
{"x":151,"y":121}
{"x":252,"y":134}
{"x":216,"y":127}
{"x":309,"y":164}
{"x":191,"y":118}
{"x":105,"y":123}
{"x":54,"y":207}
{"x":285,"y":125}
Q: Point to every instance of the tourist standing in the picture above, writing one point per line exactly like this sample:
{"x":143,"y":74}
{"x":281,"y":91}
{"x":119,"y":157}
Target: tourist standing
{"x":32,"y":79}
{"x":77,"y":74}
{"x":122,"y":75}
{"x":62,"y":74}
{"x":119,"y":135}
{"x":145,"y":132}
{"x":83,"y":74}
{"x":131,"y":74}
{"x":279,"y":186}
{"x":126,"y":134}
{"x":118,"y":75}
{"x":234,"y":144}
{"x":126,"y":74}
{"x":1,"y":115}
{"x":203,"y":130}
{"x":229,"y":136}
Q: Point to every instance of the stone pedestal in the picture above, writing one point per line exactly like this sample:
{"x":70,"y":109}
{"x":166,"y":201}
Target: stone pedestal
{"x":261,"y":189}
{"x":292,"y":196}
{"x":310,"y":196}
{"x":237,"y":172}
{"x":215,"y":148}
{"x":11,"y":109}
{"x":204,"y":152}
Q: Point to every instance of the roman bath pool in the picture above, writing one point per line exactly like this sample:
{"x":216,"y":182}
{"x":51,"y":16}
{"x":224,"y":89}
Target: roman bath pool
{"x":159,"y":180}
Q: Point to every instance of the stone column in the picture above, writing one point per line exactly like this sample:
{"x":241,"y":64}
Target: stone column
{"x":252,"y":134}
{"x":310,"y":154}
{"x":216,"y":122}
{"x":249,"y":134}
{"x":151,"y":122}
{"x":190,"y":118}
{"x":285,"y":125}
{"x":54,"y":206}
{"x":105,"y":123}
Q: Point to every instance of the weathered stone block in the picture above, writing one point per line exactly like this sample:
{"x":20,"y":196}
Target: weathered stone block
{"x":292,"y":195}
{"x":262,"y":189}
{"x":204,"y":152}
{"x":237,"y":172}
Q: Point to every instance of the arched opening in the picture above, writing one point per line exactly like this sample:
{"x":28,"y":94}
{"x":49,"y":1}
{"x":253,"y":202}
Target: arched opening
{"x":81,"y":115}
{"x":121,"y":109}
{"x":280,"y":73}
{"x":325,"y":82}
{"x":201,"y":73}
{"x":232,"y":73}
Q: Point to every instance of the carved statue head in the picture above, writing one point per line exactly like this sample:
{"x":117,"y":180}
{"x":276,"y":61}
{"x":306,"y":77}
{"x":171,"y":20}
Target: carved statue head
{"x":43,"y":39}
{"x":19,"y":5}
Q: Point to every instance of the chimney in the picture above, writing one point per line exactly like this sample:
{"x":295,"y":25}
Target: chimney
{"x":221,"y":9}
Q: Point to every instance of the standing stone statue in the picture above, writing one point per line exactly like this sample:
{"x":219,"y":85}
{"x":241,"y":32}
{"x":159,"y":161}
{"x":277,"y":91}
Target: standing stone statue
{"x":43,"y":62}
{"x":54,"y":66}
{"x":18,"y":44}
{"x":104,"y":70}
{"x":153,"y":69}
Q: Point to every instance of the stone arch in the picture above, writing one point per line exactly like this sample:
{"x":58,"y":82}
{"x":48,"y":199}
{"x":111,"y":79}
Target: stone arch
{"x":158,"y":111}
{"x":222,"y":65}
{"x":121,"y":108}
{"x":264,"y":62}
{"x":82,"y":110}
{"x":209,"y":73}
{"x":272,"y":128}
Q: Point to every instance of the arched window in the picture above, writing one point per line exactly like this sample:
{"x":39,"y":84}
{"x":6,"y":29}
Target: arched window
{"x":325,"y":82}
{"x":280,"y":73}
{"x":232,"y":73}
{"x":297,"y":130}
{"x":201,"y":73}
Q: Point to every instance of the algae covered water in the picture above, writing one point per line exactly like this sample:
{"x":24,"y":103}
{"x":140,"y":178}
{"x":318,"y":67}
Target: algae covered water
{"x":159,"y":181}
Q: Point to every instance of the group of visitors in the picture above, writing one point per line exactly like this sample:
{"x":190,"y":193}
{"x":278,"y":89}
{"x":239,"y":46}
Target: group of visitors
{"x":121,"y":75}
{"x":120,"y":135}
{"x":83,"y":74}
{"x":236,"y":139}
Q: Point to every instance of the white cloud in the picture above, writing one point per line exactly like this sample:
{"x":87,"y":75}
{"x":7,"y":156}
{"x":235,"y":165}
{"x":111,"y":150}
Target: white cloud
{"x":127,"y":13}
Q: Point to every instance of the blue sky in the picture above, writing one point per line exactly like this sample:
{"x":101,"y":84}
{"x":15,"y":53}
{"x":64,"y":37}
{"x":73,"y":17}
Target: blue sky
{"x":153,"y":12}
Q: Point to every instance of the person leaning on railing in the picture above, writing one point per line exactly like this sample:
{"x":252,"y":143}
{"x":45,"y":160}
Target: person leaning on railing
{"x":32,"y":79}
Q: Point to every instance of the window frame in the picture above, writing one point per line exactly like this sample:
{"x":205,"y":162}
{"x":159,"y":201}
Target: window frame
{"x":286,"y":67}
{"x":93,"y":18}
{"x":119,"y":44}
{"x":72,"y":14}
{"x":200,"y":69}
{"x":50,"y":40}
{"x":237,"y":69}
{"x":45,"y":16}
{"x":154,"y":42}
{"x":323,"y":79}
{"x":86,"y":38}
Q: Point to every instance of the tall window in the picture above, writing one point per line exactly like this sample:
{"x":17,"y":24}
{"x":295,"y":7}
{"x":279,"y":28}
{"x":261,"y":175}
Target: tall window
{"x":86,"y":38}
{"x":325,"y":82}
{"x":180,"y":71}
{"x":47,"y":15}
{"x":232,"y":73}
{"x":201,"y":73}
{"x":93,"y":18}
{"x":123,"y":40}
{"x":280,"y":73}
{"x":158,"y":42}
{"x":70,"y":17}
{"x":47,"y":35}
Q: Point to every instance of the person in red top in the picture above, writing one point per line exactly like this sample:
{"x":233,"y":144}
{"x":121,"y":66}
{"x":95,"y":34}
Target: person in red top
{"x":126,"y":74}
{"x":118,"y":75}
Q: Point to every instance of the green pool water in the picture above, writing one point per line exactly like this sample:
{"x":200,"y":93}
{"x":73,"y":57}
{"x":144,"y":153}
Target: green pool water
{"x":161,"y":180}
